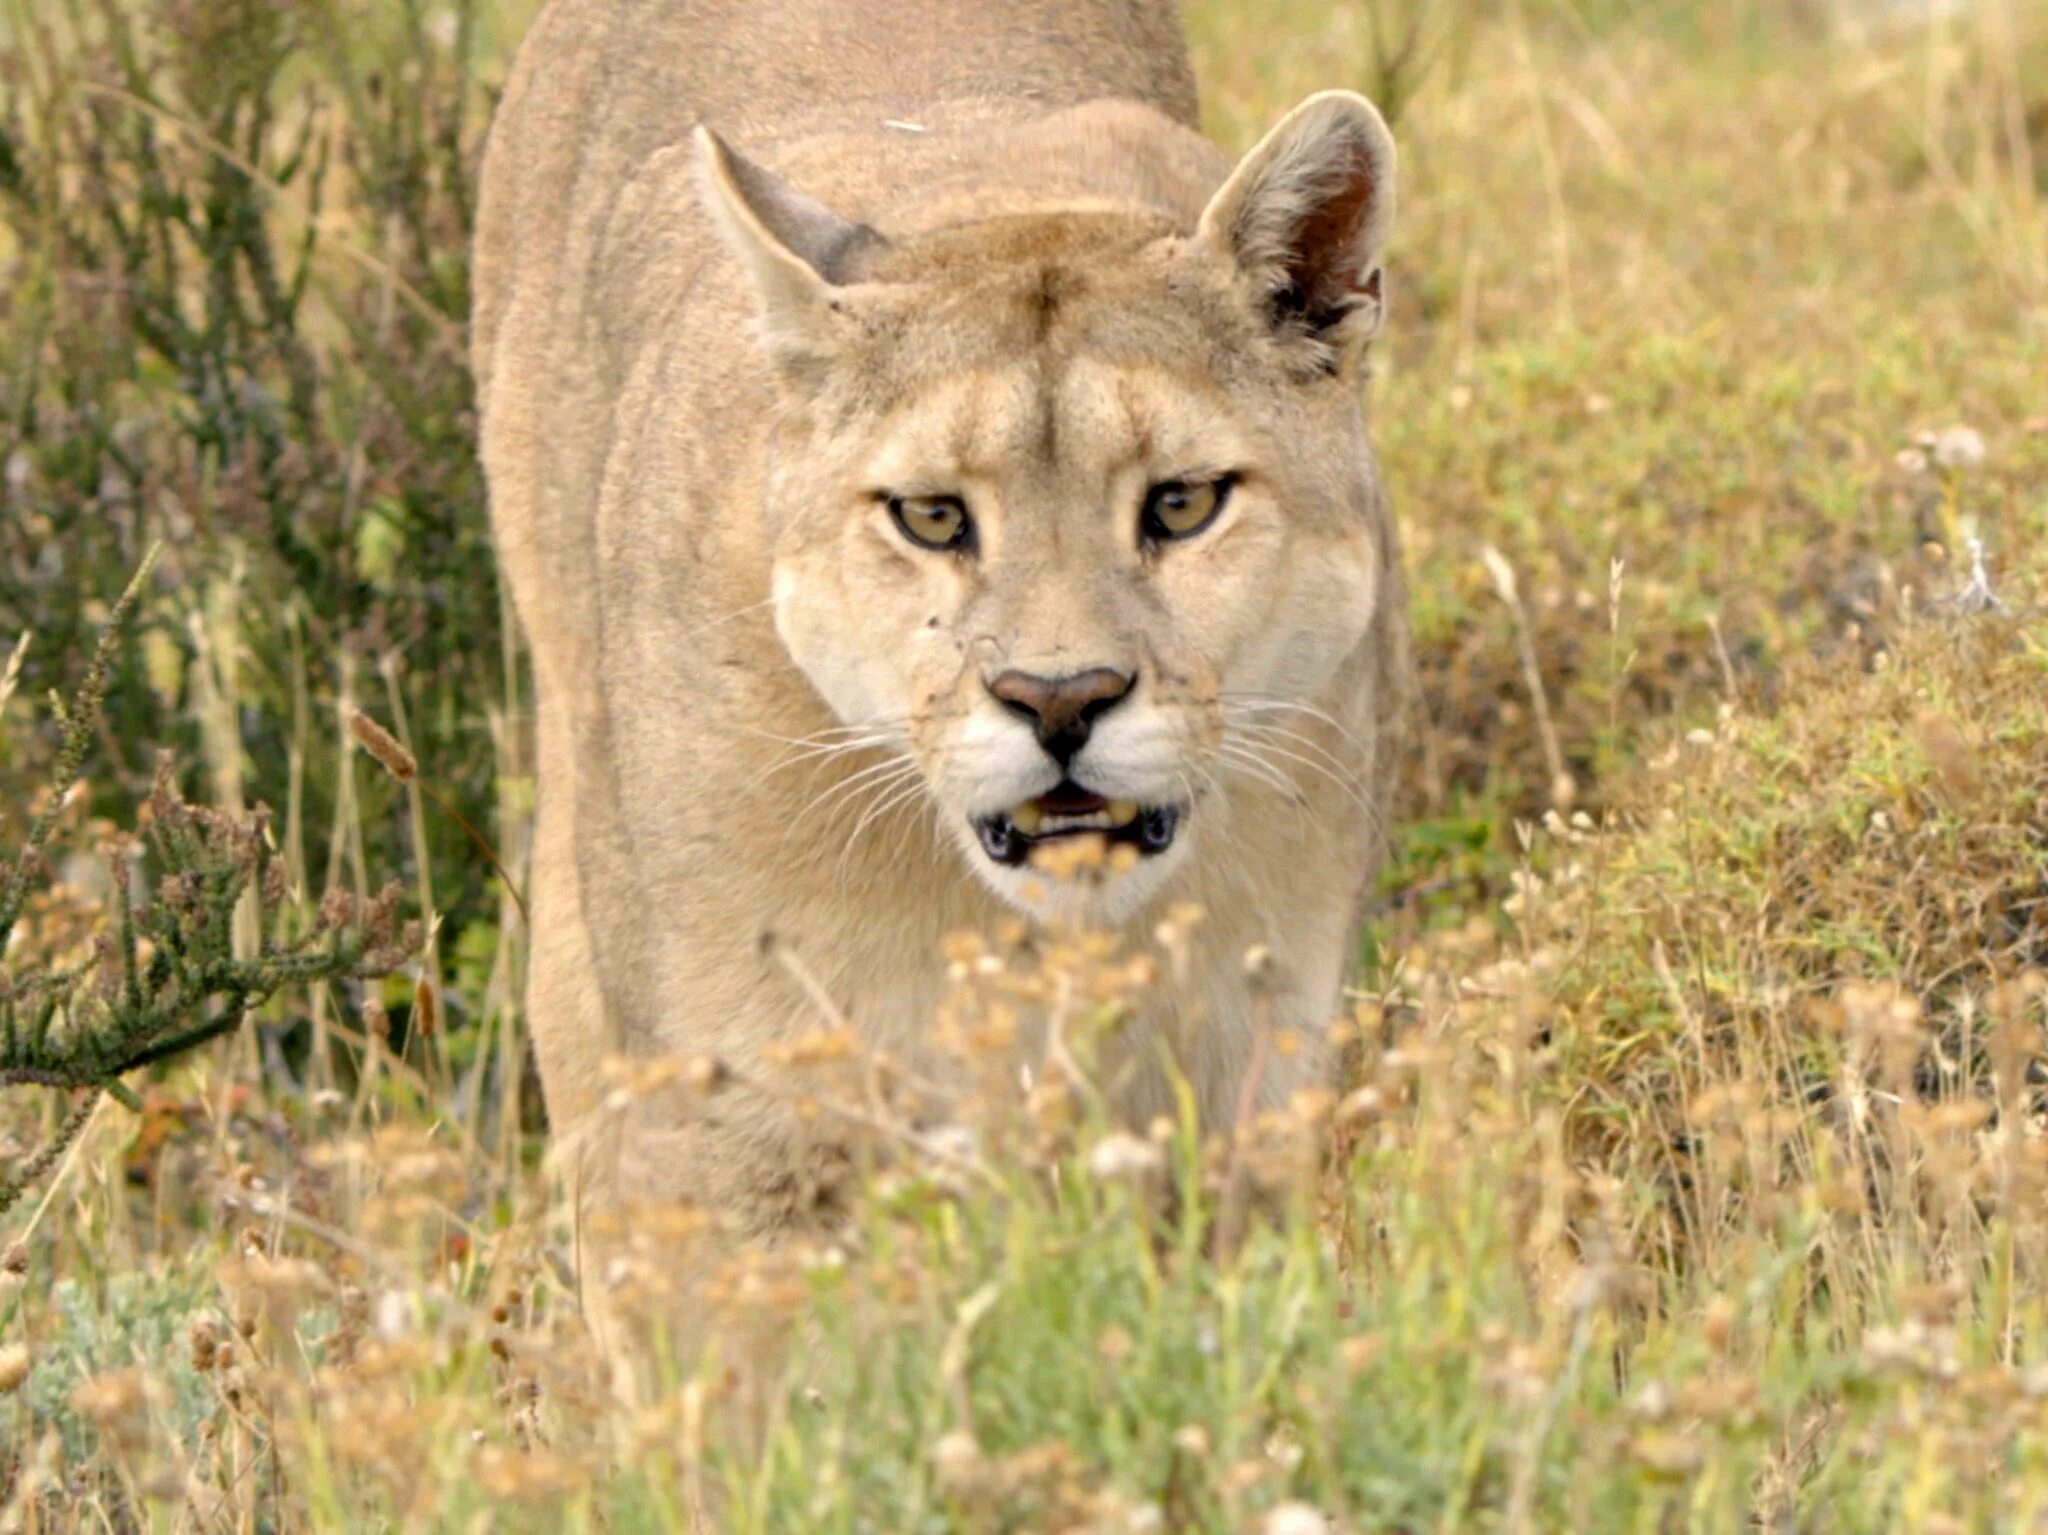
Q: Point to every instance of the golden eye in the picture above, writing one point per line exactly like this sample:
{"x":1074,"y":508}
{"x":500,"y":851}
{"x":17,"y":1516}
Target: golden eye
{"x":933,"y":522}
{"x":1182,"y":508}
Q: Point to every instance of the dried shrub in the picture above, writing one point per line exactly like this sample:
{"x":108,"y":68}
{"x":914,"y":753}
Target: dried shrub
{"x":163,"y":975}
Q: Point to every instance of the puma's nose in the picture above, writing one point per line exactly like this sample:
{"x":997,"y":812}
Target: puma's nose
{"x":1062,"y":710}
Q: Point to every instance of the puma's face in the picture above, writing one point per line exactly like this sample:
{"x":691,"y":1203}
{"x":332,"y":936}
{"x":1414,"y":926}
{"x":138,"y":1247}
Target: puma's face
{"x":1077,"y":513}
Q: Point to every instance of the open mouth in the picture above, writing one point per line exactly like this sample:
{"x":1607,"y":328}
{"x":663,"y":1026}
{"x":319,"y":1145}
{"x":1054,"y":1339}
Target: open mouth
{"x":1068,"y":810}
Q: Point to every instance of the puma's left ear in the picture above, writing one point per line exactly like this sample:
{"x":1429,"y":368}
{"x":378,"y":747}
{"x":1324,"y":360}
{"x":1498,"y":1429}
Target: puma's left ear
{"x":797,"y":251}
{"x":1305,"y":216}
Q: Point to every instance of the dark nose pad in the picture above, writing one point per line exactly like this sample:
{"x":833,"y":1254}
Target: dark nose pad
{"x":1062,"y":710}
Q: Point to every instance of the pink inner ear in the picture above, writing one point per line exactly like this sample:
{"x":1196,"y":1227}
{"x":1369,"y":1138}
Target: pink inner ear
{"x":1329,"y":267}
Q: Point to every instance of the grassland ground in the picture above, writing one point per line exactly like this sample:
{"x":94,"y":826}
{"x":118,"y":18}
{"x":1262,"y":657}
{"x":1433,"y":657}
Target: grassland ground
{"x":1688,"y":1170}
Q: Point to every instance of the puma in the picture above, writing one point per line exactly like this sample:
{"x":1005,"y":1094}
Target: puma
{"x":912,"y":446}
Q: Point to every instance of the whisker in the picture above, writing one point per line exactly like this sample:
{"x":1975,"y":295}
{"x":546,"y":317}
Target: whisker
{"x":832,"y":741}
{"x":1272,"y":733}
{"x":867,"y":796}
{"x":876,"y":776}
{"x":885,"y":806}
{"x":817,"y":756}
{"x":1267,"y":730}
{"x":832,"y":737}
{"x":906,"y":835}
{"x":1348,"y":783}
{"x":1259,"y":703}
{"x":1251,"y":766}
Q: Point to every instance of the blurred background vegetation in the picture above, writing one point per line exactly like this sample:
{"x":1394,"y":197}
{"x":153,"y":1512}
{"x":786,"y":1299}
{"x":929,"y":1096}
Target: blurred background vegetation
{"x":1715,"y":378}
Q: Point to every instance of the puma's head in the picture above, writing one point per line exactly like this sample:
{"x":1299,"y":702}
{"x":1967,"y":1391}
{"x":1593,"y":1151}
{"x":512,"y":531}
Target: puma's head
{"x":1074,"y":509}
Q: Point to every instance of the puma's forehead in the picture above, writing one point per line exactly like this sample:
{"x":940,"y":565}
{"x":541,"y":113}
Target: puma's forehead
{"x":1045,"y":321}
{"x":1081,"y":412}
{"x":1063,"y":240}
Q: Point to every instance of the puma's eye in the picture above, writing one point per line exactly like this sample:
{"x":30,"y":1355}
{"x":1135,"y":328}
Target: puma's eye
{"x":1182,"y":508}
{"x":933,"y":522}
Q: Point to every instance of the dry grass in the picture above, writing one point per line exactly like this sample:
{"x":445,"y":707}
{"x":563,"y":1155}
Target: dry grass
{"x":1688,"y":1171}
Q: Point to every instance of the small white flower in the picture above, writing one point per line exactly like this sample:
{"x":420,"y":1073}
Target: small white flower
{"x":1911,"y":460}
{"x":1653,"y":1402}
{"x":954,"y":1143}
{"x":1977,"y":595}
{"x":394,"y":1316}
{"x":1119,"y":1157}
{"x":1366,"y":1103}
{"x":1296,"y":1519}
{"x":1960,"y":447}
{"x":959,"y":1462}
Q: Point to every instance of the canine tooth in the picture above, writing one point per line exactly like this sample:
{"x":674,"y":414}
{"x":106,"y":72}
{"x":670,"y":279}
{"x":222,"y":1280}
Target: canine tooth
{"x":1028,"y":818}
{"x":1122,"y":812}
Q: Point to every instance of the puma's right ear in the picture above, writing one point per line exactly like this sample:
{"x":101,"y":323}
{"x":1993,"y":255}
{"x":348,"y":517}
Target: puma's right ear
{"x":1305,"y":216}
{"x":796,"y":250}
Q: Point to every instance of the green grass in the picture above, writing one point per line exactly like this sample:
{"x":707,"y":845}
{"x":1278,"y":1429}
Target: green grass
{"x":1687,"y":1173}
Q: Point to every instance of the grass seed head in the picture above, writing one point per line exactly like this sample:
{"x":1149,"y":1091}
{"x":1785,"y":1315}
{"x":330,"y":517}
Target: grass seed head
{"x":15,"y":1361}
{"x":384,"y":746}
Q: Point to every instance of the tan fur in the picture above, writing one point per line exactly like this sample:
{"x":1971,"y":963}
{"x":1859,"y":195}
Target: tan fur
{"x":978,"y":247}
